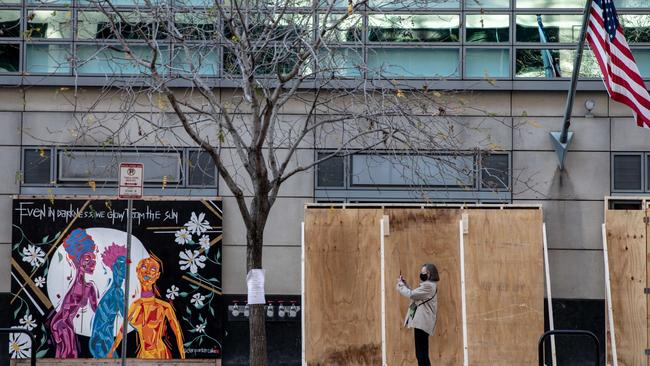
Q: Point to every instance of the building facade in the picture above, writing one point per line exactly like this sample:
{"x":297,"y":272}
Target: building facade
{"x":510,"y":90}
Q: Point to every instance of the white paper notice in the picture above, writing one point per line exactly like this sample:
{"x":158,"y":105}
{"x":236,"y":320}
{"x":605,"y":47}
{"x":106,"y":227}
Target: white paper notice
{"x":255,"y":281}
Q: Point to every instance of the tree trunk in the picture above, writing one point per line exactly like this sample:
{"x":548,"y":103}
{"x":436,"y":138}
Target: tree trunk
{"x":257,"y":316}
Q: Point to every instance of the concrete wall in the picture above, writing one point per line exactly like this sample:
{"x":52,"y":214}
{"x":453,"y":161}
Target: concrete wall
{"x":573,"y":199}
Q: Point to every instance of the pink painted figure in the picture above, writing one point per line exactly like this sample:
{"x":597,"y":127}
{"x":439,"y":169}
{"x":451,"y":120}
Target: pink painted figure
{"x":81,"y":251}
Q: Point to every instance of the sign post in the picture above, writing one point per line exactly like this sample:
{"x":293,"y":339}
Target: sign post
{"x":130,"y":188}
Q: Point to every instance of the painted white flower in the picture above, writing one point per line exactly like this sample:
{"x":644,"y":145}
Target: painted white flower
{"x":39,"y":281}
{"x":191,"y":259}
{"x":197,"y":300}
{"x":33,"y":255}
{"x":183,"y":237}
{"x":172,"y":292}
{"x":19,"y":345}
{"x":200,"y":328}
{"x":28,"y":322}
{"x":197,"y":225}
{"x":205,"y":242}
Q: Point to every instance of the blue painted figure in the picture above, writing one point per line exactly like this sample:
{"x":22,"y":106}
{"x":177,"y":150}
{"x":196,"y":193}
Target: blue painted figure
{"x":112,"y":303}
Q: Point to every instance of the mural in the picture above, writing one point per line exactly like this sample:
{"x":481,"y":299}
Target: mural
{"x":69,"y":269}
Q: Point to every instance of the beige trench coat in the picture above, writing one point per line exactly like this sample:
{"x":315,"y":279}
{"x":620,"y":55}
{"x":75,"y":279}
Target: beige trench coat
{"x":426,"y":313}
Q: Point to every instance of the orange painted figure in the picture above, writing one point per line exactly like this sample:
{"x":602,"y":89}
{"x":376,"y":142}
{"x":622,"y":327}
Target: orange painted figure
{"x":149,"y":316}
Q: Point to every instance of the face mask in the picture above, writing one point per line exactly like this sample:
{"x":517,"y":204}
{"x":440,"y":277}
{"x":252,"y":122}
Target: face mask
{"x":424,"y":276}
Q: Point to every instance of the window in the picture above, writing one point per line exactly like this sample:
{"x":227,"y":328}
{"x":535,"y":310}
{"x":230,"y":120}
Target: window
{"x":9,"y":23}
{"x":37,"y":166}
{"x":485,"y":4}
{"x":63,"y":168}
{"x":9,"y":57}
{"x":627,"y":172}
{"x":81,"y":166}
{"x":48,"y":58}
{"x":414,"y":62}
{"x":50,"y":24}
{"x":554,"y":63}
{"x":537,"y":4}
{"x":483,"y":28}
{"x":413,"y":28}
{"x":201,"y":169}
{"x":406,"y":170}
{"x":487,"y":62}
{"x":495,"y":171}
{"x":348,"y":30}
{"x":395,"y":177}
{"x":564,"y":28}
{"x":331,"y":172}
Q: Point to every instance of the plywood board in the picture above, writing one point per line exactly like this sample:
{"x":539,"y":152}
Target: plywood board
{"x":626,"y":244}
{"x":342,"y":287}
{"x":504,"y":277}
{"x":418,"y":236}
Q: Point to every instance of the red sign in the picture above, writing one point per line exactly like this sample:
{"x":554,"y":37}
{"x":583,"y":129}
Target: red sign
{"x":131,"y":180}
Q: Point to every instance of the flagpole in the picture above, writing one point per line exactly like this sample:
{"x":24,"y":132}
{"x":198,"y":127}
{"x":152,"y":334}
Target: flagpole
{"x":561,"y":140}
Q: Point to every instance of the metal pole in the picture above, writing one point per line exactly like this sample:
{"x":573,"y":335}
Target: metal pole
{"x":125,"y":325}
{"x":574,"y":77}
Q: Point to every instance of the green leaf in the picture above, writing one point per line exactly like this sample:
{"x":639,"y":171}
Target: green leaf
{"x":183,"y":294}
{"x":57,"y":235}
{"x":194,"y":287}
{"x":41,"y":353}
{"x":187,"y":344}
{"x":211,"y":311}
{"x":59,"y":257}
{"x":45,"y":239}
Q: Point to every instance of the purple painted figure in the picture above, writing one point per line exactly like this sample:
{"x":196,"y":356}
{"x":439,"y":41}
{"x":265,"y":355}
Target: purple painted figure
{"x":81,"y":251}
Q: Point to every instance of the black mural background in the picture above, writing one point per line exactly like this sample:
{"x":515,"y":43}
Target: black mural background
{"x":40,"y":224}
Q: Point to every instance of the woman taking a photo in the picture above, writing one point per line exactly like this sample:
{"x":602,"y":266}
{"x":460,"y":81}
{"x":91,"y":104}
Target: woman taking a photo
{"x":421,"y":315}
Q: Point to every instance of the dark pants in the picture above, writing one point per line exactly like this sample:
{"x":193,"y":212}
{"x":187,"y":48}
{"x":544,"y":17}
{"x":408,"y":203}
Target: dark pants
{"x":422,"y":347}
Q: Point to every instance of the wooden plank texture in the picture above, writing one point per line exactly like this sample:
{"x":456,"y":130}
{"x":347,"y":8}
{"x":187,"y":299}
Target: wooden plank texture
{"x":342,"y":287}
{"x":504,"y":286}
{"x":418,"y":236}
{"x":626,"y":244}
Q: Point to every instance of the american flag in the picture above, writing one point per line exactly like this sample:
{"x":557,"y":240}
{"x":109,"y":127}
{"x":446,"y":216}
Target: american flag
{"x":620,"y":73}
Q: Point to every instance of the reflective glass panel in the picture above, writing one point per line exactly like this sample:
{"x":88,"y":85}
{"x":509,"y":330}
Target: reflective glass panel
{"x":9,"y":57}
{"x":487,"y":63}
{"x":99,"y":60}
{"x":197,"y":26}
{"x":414,"y":4}
{"x":52,"y":24}
{"x":478,"y":4}
{"x":9,"y":23}
{"x":549,"y":63}
{"x":414,"y":62}
{"x":622,"y":4}
{"x":413,"y":28}
{"x":341,"y":62}
{"x":202,"y":60}
{"x":642,"y":57}
{"x":391,"y":170}
{"x":636,"y":27}
{"x":276,"y":59}
{"x":347,"y":30}
{"x":49,"y":2}
{"x":566,"y":4}
{"x":136,"y":25}
{"x":267,"y":26}
{"x":48,"y":58}
{"x":487,"y":28}
{"x":555,"y":28}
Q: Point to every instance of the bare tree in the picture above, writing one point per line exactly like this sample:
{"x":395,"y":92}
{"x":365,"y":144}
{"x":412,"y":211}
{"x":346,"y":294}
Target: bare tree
{"x":278,"y":56}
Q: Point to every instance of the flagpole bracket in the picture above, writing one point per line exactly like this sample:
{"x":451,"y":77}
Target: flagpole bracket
{"x":561,"y":148}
